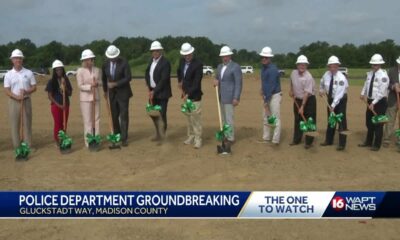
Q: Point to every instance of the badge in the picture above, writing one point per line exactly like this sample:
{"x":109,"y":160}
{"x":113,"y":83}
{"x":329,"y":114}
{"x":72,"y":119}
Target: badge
{"x":384,"y":79}
{"x":335,"y":82}
{"x":341,"y":83}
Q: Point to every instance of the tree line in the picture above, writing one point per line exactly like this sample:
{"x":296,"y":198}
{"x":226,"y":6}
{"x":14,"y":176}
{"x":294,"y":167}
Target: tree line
{"x":136,"y":51}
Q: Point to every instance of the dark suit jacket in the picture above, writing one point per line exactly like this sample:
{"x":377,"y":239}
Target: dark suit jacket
{"x":162,"y":78}
{"x":394,"y":78}
{"x":191,"y":82}
{"x":122,"y":78}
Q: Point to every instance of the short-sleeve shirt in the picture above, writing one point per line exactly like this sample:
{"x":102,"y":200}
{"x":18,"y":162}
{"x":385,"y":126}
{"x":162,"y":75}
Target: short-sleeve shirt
{"x":19,"y":80}
{"x":56,"y":91}
{"x":302,"y":83}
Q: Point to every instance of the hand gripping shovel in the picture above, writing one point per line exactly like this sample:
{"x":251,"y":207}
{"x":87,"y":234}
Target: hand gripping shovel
{"x":113,"y":138}
{"x":64,"y":140}
{"x":93,"y":139}
{"x":187,"y":107}
{"x":225,"y":147}
{"x":377,"y":119}
{"x":153,"y":110}
{"x":22,"y":152}
{"x":334,"y":119}
{"x":307,"y":125}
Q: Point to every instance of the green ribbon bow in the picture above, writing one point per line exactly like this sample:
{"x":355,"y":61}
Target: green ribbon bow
{"x":90,"y":138}
{"x":114,"y":138}
{"x":334,"y":119}
{"x":65,"y":140}
{"x":272,"y":120}
{"x":308,"y":126}
{"x":188,"y":106}
{"x":379,"y":119}
{"x":226,"y":130}
{"x":23,"y":150}
{"x":397,"y":132}
{"x":150,"y":107}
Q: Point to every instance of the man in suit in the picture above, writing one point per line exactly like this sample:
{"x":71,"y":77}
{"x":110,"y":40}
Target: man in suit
{"x":158,"y":80}
{"x":391,"y":112}
{"x":116,"y":85}
{"x":229,"y":81}
{"x":190,"y":74}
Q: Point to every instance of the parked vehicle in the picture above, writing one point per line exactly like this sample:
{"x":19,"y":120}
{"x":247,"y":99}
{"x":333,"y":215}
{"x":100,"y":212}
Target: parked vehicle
{"x":247,"y":69}
{"x":71,"y":73}
{"x":40,"y":71}
{"x":208,"y":70}
{"x":344,"y":70}
{"x":3,"y":74}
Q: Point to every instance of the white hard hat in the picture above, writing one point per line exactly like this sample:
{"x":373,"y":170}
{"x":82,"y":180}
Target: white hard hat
{"x":333,"y":60}
{"x":57,"y":64}
{"x":225,"y":51}
{"x":87,"y":54}
{"x":376,"y":59}
{"x":17,"y":54}
{"x":156,"y":45}
{"x":302,"y":59}
{"x":266,"y":52}
{"x":398,"y":60}
{"x":186,"y":49}
{"x":112,"y":52}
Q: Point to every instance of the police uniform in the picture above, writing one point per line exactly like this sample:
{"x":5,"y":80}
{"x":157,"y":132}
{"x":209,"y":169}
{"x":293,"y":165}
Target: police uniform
{"x":335,"y":86}
{"x":376,"y":90}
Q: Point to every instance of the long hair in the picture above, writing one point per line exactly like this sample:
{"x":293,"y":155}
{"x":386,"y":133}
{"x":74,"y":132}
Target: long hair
{"x":54,"y":79}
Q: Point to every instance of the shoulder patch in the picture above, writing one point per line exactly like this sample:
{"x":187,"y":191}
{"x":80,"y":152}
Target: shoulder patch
{"x":341,"y":83}
{"x":384,"y":79}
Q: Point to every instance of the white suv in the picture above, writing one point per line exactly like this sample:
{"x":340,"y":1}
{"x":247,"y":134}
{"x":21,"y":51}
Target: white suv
{"x":3,"y":74}
{"x":208,"y":70}
{"x":247,"y":69}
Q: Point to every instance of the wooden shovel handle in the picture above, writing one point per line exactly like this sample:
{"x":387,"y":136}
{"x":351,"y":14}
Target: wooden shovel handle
{"x":298,"y":108}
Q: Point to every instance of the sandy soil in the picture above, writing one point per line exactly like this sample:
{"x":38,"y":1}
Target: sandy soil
{"x":172,"y":166}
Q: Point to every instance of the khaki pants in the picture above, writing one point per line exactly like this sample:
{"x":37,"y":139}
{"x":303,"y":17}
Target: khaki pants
{"x":86,"y":109}
{"x":227,"y":111}
{"x":14,"y":110}
{"x":275,"y":109}
{"x":195,"y":128}
{"x":389,"y":129}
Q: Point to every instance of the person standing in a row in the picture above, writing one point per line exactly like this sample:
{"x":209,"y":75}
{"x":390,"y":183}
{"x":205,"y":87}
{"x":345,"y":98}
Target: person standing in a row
{"x":190,"y":74}
{"x":54,"y":89}
{"x":229,"y":80}
{"x":19,"y":84}
{"x":375,"y":93}
{"x":302,"y":89}
{"x":272,"y":95}
{"x":158,"y":80}
{"x":89,"y":81}
{"x":116,"y":86}
{"x":392,"y":110}
{"x":334,"y":86}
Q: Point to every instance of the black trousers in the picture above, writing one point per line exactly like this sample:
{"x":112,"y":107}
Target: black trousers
{"x":375,"y":131}
{"x":310,"y":110}
{"x":120,"y":116}
{"x":164,"y":106}
{"x":330,"y":132}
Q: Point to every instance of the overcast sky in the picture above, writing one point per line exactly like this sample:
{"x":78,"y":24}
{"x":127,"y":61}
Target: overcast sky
{"x":284,"y":25}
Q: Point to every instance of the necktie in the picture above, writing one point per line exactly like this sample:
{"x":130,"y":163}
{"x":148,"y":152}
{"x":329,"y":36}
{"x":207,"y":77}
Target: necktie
{"x":330,"y":88}
{"x":113,"y":70}
{"x":371,"y":86}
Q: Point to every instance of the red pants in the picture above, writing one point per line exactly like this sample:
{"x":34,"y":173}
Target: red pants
{"x":58,"y":119}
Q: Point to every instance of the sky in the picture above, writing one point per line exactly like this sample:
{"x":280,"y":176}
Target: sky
{"x":284,"y":25}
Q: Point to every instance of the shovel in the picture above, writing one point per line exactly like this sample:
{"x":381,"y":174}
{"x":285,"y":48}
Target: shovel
{"x":377,"y":119}
{"x":153,"y":110}
{"x":398,"y":116}
{"x":65,"y":140}
{"x":308,"y":132}
{"x":225,"y":147}
{"x":114,"y":139}
{"x":343,"y":132}
{"x":93,"y":139}
{"x":22,"y":152}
